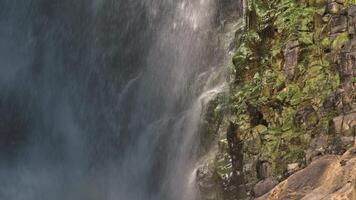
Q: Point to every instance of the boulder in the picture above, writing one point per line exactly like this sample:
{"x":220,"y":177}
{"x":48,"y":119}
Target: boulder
{"x":344,"y":124}
{"x":292,"y":168}
{"x":264,"y":169}
{"x":206,"y":183}
{"x":338,"y":24}
{"x":330,"y":177}
{"x":264,"y":186}
{"x":317,"y":148}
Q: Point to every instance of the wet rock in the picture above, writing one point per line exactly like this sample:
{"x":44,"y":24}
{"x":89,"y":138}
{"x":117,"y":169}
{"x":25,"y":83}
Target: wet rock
{"x":291,"y":54}
{"x":206,"y":183}
{"x":306,"y":118}
{"x":264,"y":186}
{"x":235,"y":146}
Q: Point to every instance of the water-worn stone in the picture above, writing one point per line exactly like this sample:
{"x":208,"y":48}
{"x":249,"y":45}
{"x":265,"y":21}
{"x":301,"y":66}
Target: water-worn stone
{"x":206,"y":183}
{"x":264,"y":186}
{"x":235,"y":150}
{"x":325,"y":178}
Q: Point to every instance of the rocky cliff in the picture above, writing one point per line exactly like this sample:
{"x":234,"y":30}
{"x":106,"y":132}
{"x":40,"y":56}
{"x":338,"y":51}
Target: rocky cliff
{"x":291,"y":103}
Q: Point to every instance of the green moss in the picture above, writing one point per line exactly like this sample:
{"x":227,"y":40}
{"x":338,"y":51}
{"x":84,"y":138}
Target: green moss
{"x":261,"y":82}
{"x":223,"y":166}
{"x":292,"y":94}
{"x":340,"y":40}
{"x":350,"y":2}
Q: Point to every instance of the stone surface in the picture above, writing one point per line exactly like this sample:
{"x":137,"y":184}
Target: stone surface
{"x":347,"y":62}
{"x":344,"y":124}
{"x":317,"y":148}
{"x":264,"y":169}
{"x":334,"y":101}
{"x":338,"y":24}
{"x":306,"y":118}
{"x":264,"y":186}
{"x":292,"y":168}
{"x":291,"y":53}
{"x":333,"y":8}
{"x":206,"y":183}
{"x":326,"y":178}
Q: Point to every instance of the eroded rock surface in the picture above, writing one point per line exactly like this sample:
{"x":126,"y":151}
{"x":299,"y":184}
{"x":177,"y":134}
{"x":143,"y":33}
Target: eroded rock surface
{"x":330,"y":177}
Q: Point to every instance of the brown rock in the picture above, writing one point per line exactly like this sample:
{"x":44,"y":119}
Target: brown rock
{"x":347,"y":70}
{"x":333,"y":101}
{"x":317,"y":148}
{"x":208,"y":188}
{"x":264,"y":186}
{"x":291,"y":54}
{"x":325,"y":178}
{"x":352,"y":20}
{"x":264,"y":169}
{"x":333,"y":7}
{"x":292,"y":168}
{"x":344,"y":124}
{"x":338,"y":24}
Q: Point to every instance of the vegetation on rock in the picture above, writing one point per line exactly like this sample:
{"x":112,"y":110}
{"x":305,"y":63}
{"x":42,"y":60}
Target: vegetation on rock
{"x":293,"y":89}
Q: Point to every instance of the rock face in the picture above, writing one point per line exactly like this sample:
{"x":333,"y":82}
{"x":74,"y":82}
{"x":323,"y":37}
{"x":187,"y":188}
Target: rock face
{"x":330,"y":177}
{"x":291,"y":54}
{"x":292,"y":102}
{"x":264,"y":186}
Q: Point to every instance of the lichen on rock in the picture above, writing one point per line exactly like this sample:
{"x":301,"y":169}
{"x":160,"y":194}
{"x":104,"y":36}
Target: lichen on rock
{"x":293,"y":96}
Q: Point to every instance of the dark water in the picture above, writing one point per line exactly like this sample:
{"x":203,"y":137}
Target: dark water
{"x":101,"y":99}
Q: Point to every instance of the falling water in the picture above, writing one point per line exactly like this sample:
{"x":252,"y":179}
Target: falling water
{"x":101,"y":99}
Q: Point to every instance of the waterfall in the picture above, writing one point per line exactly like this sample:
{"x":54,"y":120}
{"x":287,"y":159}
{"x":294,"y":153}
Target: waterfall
{"x":102,"y":99}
